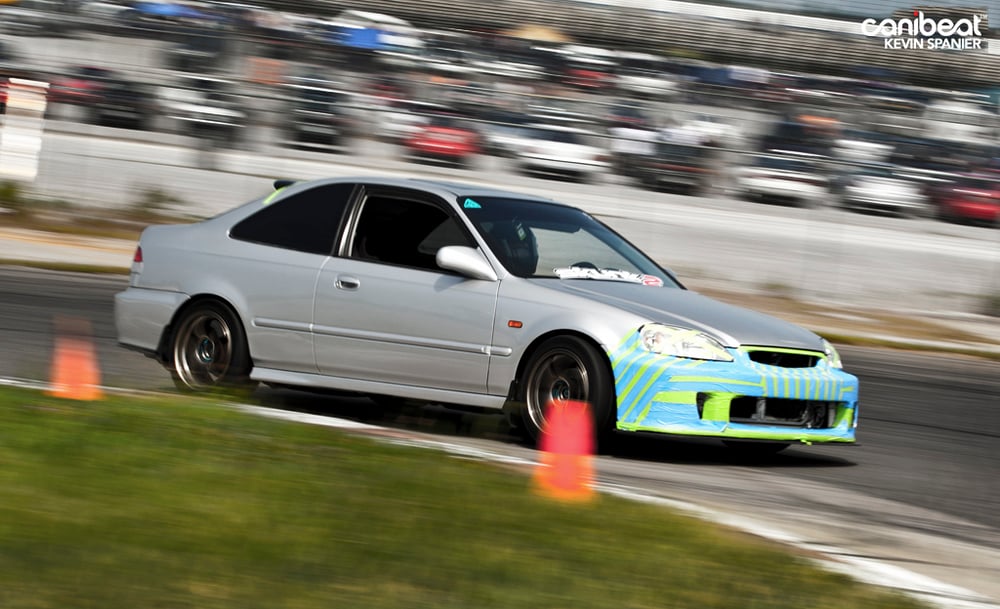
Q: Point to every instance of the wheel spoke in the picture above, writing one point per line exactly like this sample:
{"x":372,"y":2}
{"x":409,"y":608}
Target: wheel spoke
{"x":560,"y":376}
{"x":205,"y":351}
{"x":577,"y":381}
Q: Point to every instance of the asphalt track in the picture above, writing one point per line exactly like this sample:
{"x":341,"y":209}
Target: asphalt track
{"x":920,"y":490}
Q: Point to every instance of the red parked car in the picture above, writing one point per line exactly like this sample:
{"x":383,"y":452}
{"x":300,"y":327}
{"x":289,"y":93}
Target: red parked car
{"x":972,"y":198}
{"x":80,"y":85}
{"x":444,"y":139}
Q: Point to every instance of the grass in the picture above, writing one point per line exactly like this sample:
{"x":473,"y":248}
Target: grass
{"x":70,"y":267}
{"x":170,"y":502}
{"x":151,"y":206}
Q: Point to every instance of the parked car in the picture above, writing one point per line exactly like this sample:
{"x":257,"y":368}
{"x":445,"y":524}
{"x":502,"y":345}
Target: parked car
{"x":590,"y":68}
{"x":629,"y":144}
{"x":930,"y":164}
{"x":646,"y":75}
{"x":472,"y":296}
{"x":971,"y":198}
{"x":8,"y":56}
{"x":628,"y":114}
{"x":198,"y":49}
{"x":683,"y":168}
{"x":801,"y":134}
{"x":28,"y":18}
{"x":880,"y":188}
{"x":564,"y":151}
{"x":124,"y":103}
{"x":714,"y":131}
{"x":784,"y":178}
{"x":7,"y":72}
{"x":506,"y":66}
{"x":444,"y":139}
{"x":203,"y":107}
{"x":81,"y":85}
{"x":397,"y":120}
{"x":317,"y":116}
{"x":856,"y":146}
{"x":502,"y":132}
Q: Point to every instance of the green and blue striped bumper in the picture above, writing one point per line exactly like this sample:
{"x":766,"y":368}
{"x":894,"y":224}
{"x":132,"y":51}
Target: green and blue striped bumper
{"x":741,"y":399}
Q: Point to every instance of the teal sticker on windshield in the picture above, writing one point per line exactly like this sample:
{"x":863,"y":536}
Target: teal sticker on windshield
{"x":470,"y":204}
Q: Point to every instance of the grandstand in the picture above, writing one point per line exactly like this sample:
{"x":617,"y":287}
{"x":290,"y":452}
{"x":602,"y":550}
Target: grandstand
{"x":724,"y":34}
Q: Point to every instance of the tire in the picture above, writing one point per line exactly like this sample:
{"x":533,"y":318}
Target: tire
{"x":566,"y":367}
{"x":387,"y":402}
{"x":208,"y":350}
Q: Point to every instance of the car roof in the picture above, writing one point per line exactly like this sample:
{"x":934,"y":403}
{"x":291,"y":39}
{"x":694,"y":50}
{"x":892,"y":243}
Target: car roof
{"x":443,"y":188}
{"x":559,"y":128}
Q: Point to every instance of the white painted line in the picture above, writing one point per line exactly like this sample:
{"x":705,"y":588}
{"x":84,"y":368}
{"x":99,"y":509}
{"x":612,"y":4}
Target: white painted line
{"x":864,"y":569}
{"x":302,"y":417}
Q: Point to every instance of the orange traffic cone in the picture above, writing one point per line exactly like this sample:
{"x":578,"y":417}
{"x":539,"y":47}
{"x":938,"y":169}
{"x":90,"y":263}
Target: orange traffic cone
{"x":566,"y":469}
{"x":75,"y":373}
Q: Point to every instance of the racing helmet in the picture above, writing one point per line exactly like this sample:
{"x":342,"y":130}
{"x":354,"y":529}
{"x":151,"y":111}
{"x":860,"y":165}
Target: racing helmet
{"x":516,"y":246}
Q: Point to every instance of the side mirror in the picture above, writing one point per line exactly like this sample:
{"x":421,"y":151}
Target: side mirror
{"x":467,"y":261}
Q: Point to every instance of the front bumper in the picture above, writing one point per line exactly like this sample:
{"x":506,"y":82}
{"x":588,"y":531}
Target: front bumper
{"x":742,"y":399}
{"x":679,"y":178}
{"x":557,"y":164}
{"x":858,"y":201}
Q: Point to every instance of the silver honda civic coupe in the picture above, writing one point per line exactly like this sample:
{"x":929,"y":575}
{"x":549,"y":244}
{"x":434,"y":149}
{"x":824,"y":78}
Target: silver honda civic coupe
{"x":464,"y":295}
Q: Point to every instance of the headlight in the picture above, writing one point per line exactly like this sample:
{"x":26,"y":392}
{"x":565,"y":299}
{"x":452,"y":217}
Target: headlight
{"x":682,"y":342}
{"x":832,"y":357}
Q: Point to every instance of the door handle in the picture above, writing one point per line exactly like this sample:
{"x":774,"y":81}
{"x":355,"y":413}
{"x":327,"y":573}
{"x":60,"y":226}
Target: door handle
{"x":346,"y":282}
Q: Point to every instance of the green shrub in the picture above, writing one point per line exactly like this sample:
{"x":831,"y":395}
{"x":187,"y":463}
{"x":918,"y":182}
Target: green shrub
{"x":991,"y":304}
{"x":11,"y":195}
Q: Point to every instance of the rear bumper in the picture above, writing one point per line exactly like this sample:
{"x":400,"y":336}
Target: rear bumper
{"x":973,"y":210}
{"x":143,"y":315}
{"x":884,"y":204}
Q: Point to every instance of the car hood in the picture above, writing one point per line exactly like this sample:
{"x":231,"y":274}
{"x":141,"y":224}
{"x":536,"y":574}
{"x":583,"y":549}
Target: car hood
{"x":731,"y":325}
{"x":885,"y":185}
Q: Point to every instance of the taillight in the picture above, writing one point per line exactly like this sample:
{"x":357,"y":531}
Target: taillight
{"x":138,"y":255}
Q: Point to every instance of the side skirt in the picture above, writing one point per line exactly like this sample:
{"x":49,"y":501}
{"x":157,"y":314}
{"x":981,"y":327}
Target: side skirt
{"x":314,"y":381}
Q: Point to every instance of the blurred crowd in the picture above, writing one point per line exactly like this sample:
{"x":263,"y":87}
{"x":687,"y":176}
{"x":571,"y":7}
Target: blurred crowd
{"x":546,"y":104}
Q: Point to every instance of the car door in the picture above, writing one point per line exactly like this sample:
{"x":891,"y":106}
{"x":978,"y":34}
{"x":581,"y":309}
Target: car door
{"x":272,"y":261}
{"x":385,"y":312}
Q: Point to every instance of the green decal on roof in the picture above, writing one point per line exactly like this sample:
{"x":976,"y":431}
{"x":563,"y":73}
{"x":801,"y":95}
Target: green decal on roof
{"x":470,"y":204}
{"x":274,"y":194}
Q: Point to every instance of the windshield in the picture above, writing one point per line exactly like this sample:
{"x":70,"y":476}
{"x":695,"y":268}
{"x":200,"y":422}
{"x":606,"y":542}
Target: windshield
{"x":679,"y":152}
{"x":877,"y":172}
{"x":979,"y":184}
{"x":318,"y":100}
{"x":786,"y":164}
{"x":538,"y":239}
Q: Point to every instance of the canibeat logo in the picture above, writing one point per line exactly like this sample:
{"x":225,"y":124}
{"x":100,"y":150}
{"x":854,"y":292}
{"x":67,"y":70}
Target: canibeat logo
{"x":923,"y":32}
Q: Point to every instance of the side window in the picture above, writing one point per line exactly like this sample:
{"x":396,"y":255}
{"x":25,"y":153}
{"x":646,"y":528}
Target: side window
{"x":305,"y":222}
{"x":407,"y":232}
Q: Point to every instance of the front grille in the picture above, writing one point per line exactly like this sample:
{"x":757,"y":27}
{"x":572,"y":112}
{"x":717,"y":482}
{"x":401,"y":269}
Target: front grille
{"x":811,"y":414}
{"x":783,"y":359}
